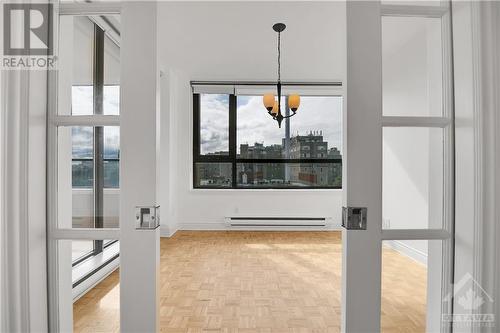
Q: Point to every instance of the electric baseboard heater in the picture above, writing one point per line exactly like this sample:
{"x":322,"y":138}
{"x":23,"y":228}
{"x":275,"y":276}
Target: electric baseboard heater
{"x":247,"y":221}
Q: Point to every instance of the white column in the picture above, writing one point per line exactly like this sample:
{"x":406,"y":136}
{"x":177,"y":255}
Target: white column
{"x":361,"y":259}
{"x":140,"y":249}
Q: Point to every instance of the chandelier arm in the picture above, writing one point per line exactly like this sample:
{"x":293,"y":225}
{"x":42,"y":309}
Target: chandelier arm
{"x":272,"y":115}
{"x":289,"y":116}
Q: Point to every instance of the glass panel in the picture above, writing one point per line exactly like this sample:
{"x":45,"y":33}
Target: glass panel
{"x":289,"y":175}
{"x":80,"y":248}
{"x":111,"y":206}
{"x":412,"y":56}
{"x":75,"y":65}
{"x":316,"y":129}
{"x":213,"y":175}
{"x":258,"y":135}
{"x":111,"y":157}
{"x":82,"y":102}
{"x":111,"y":100}
{"x":214,"y":124}
{"x":95,"y":307}
{"x":412,"y":296}
{"x":82,"y":148}
{"x":99,"y":309}
{"x":98,"y":258}
{"x":111,"y":90}
{"x":76,"y":177}
{"x":413,"y":164}
{"x":314,"y":132}
{"x":108,"y":242}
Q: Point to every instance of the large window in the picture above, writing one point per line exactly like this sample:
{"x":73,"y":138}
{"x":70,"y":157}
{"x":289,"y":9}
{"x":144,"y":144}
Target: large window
{"x":236,"y":144}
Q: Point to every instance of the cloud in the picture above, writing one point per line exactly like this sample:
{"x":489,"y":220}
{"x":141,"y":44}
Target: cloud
{"x":214,"y":123}
{"x":82,"y":140}
{"x":255,"y":125}
{"x":83,"y":137}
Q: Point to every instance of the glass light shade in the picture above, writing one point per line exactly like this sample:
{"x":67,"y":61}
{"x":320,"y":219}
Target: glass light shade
{"x":294,"y":102}
{"x":268,"y":101}
{"x":275,"y":108}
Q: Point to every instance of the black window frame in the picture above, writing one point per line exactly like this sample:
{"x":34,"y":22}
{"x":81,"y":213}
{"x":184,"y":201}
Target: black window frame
{"x":232,"y":156}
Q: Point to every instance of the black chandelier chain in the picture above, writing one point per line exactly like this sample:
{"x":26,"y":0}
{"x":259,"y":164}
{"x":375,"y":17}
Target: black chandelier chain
{"x":279,"y":56}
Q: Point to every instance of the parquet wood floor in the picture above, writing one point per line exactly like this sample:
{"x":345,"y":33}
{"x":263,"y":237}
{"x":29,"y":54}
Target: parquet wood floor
{"x":258,"y":282}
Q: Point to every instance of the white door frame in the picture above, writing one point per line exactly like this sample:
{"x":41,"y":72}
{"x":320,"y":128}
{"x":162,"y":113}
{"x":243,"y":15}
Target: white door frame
{"x":362,"y":180}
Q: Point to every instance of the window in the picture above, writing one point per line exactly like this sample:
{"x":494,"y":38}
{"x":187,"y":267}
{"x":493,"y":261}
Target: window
{"x":236,"y":144}
{"x":83,"y":156}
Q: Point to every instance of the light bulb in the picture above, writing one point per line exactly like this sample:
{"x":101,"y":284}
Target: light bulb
{"x":294,"y":102}
{"x":268,"y":101}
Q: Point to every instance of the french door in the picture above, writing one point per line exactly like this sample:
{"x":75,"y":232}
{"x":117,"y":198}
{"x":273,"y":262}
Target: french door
{"x":398,"y":175}
{"x":83,"y":148}
{"x":94,"y":125}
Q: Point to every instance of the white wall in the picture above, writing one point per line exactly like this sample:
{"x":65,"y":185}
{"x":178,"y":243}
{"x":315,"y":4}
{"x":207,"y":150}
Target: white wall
{"x":234,"y":41}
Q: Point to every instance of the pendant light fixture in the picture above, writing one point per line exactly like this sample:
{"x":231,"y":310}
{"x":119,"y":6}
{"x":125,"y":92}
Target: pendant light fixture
{"x":272,"y":105}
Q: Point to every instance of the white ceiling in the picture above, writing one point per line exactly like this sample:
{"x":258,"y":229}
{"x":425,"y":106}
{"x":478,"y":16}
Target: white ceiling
{"x":235,"y":40}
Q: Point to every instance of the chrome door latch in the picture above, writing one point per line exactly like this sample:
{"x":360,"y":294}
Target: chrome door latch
{"x":354,"y":218}
{"x":147,"y":217}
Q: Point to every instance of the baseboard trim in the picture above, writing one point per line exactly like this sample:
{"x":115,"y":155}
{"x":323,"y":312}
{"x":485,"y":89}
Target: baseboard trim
{"x":167,"y":232}
{"x":222,"y":226}
{"x":408,"y":251}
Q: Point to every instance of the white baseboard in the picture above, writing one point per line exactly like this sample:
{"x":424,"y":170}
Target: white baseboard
{"x":408,"y":251}
{"x":222,"y":226}
{"x":167,"y":231}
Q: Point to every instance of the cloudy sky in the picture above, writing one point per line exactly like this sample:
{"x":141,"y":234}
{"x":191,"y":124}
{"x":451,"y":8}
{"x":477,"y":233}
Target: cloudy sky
{"x":82,"y":137}
{"x":255,"y":125}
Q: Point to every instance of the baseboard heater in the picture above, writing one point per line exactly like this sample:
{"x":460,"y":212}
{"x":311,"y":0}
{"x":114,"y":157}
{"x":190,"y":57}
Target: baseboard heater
{"x":246,"y":221}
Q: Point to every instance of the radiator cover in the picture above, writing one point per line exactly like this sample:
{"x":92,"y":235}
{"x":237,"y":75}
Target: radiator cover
{"x":277,"y":221}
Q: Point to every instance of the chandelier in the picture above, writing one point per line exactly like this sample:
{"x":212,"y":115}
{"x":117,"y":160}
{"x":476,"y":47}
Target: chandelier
{"x":272,"y":105}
